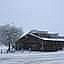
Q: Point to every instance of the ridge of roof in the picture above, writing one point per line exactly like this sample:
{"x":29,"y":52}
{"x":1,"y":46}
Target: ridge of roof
{"x":43,"y":38}
{"x":23,"y":35}
{"x":35,"y":35}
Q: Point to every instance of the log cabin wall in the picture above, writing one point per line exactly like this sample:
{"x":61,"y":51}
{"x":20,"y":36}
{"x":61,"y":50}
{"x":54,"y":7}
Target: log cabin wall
{"x":33,"y":43}
{"x":37,"y":44}
{"x":53,"y":45}
{"x":49,"y":45}
{"x":29,"y":42}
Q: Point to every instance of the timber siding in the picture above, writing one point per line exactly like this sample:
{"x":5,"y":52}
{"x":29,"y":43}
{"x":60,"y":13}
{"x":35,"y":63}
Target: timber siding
{"x":40,"y":42}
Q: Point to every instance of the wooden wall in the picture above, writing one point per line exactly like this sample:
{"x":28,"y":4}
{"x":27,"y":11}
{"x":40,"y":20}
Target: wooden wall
{"x":38,"y":45}
{"x":29,"y":42}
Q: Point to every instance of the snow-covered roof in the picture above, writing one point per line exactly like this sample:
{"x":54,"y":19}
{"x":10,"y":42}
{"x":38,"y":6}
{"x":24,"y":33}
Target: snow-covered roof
{"x":43,"y":38}
{"x":53,"y":39}
{"x":23,"y":35}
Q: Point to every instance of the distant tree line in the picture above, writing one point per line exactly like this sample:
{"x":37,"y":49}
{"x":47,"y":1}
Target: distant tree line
{"x":9,"y":34}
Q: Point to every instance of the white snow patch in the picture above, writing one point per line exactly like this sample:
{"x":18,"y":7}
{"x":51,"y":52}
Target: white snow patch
{"x":33,"y":58}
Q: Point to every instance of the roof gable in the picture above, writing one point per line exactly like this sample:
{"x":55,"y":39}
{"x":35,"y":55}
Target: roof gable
{"x":53,"y":37}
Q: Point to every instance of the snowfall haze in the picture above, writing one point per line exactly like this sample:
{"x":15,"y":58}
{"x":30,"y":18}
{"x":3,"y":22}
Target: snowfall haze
{"x":33,"y":14}
{"x":33,"y":58}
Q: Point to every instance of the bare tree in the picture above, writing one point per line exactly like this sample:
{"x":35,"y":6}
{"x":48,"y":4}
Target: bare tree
{"x":9,"y":34}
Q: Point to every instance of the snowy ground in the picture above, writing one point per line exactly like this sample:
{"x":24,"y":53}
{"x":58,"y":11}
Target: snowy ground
{"x":33,"y":58}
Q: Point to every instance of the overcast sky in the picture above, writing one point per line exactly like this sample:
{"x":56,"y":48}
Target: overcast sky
{"x":33,"y":14}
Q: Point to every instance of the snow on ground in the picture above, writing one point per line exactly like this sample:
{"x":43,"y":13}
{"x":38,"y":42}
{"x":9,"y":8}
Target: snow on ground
{"x":3,"y":46}
{"x":32,"y":58}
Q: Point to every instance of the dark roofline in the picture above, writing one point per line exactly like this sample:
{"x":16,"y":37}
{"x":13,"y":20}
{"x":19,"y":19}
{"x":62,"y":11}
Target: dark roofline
{"x":42,"y":38}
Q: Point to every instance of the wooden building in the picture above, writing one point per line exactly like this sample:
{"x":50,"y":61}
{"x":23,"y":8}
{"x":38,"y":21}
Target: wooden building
{"x":40,"y":41}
